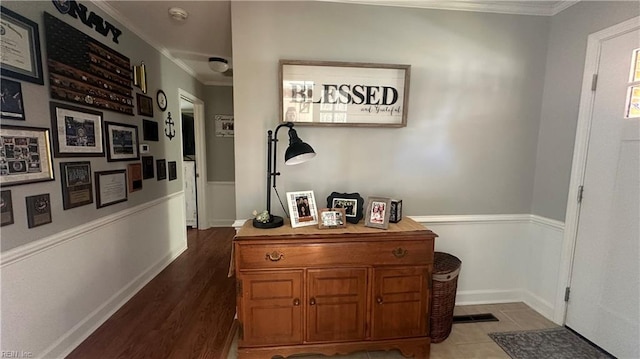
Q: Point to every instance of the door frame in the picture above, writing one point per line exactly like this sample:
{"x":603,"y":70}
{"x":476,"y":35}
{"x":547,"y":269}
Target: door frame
{"x":578,"y":167}
{"x":201,"y":156}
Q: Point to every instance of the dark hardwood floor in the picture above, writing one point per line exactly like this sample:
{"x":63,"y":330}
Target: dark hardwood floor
{"x":186,"y":311}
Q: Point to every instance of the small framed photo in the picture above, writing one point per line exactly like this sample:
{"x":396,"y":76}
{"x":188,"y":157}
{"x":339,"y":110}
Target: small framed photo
{"x":331,"y":218}
{"x":147,"y":167}
{"x":378,"y":211}
{"x":135,"y":177}
{"x":145,"y":105}
{"x":122,"y":142}
{"x":173,"y":170}
{"x":353,"y":204}
{"x":77,"y":187}
{"x":302,"y":208}
{"x":20,"y":48}
{"x":111,"y":187}
{"x":161,"y":166}
{"x":77,"y":132}
{"x":11,"y":107}
{"x":25,"y":155}
{"x":224,"y":125}
{"x":38,"y":210}
{"x":149,"y":130}
{"x":6,"y":208}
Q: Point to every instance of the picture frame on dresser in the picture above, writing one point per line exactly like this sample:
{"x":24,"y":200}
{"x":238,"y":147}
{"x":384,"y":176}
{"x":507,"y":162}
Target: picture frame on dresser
{"x":353,"y":204}
{"x":331,"y":218}
{"x":378,"y":212}
{"x":302,"y":208}
{"x":77,"y":132}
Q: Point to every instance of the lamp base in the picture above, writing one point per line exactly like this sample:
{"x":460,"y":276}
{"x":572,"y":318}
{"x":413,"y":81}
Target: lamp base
{"x":275,"y":222}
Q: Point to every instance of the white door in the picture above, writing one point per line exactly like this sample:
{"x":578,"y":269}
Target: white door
{"x":604,"y":303}
{"x":190,"y":200}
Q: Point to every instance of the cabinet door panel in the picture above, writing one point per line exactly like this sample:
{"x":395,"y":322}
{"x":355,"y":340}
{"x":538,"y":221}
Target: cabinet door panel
{"x":271,"y":308}
{"x":400,"y":302}
{"x":337,"y":304}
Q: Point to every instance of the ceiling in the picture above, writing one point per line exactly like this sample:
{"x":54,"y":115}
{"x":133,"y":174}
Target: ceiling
{"x":207,"y":30}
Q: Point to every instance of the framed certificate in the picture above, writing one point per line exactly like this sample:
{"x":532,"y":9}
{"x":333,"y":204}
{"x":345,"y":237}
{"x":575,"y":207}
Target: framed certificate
{"x":111,"y":187}
{"x":20,"y":42}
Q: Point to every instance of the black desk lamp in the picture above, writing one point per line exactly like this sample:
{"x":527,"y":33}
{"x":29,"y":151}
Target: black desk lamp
{"x":297,"y":152}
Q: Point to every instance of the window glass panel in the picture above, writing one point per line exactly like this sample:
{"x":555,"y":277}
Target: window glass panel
{"x":633,"y":102}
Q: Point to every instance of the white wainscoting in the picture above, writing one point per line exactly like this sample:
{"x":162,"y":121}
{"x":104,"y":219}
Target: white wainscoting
{"x":221,"y":203}
{"x":58,"y":290}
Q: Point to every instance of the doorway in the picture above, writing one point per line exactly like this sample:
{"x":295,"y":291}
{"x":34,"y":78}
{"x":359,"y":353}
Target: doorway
{"x":602,"y":222}
{"x":194,"y":160}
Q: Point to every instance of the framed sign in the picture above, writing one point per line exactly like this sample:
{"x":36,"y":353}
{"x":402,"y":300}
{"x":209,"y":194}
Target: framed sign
{"x":224,"y":125}
{"x":122,"y":142}
{"x":77,"y":187}
{"x":25,"y":155}
{"x":20,"y":41}
{"x":302,"y":208}
{"x":38,"y":210}
{"x":324,"y":93}
{"x":111,"y":187}
{"x":11,"y":107}
{"x":77,"y":132}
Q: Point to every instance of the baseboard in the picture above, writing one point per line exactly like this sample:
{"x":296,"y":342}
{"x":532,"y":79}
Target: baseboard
{"x":472,"y":297}
{"x":229,"y":340}
{"x":539,"y":305}
{"x":80,"y":332}
{"x":221,"y":222}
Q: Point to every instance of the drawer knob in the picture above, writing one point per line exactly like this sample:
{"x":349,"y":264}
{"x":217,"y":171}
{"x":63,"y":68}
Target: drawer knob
{"x":379,"y":300}
{"x":275,"y":256}
{"x":312,"y":301}
{"x":296,"y":302}
{"x":399,"y":252}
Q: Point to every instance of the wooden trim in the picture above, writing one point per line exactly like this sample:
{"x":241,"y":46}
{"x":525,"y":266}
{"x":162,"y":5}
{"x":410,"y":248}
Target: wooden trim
{"x":228,"y":342}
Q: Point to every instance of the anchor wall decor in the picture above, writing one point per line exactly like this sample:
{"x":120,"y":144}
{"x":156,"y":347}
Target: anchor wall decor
{"x":169,"y":131}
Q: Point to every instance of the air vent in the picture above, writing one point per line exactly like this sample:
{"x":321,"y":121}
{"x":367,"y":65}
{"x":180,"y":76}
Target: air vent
{"x":474,"y":318}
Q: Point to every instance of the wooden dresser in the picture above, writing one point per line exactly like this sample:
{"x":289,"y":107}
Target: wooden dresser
{"x":333,"y":291}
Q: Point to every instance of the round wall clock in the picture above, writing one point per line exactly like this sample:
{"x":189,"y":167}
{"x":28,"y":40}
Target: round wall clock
{"x":161,"y":98}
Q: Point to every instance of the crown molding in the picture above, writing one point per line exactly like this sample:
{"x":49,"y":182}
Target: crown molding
{"x":117,"y":15}
{"x":500,"y":7}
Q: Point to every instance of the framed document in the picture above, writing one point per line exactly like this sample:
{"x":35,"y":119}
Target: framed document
{"x":111,"y":187}
{"x":77,"y":132}
{"x":38,"y":210}
{"x":77,"y":187}
{"x":20,"y":43}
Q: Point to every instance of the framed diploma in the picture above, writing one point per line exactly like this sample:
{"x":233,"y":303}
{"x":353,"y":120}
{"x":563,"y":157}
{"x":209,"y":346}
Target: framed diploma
{"x":20,"y":43}
{"x":77,"y":187}
{"x":111,"y":187}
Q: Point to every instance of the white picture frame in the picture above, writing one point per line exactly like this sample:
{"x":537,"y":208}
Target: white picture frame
{"x":302,"y":209}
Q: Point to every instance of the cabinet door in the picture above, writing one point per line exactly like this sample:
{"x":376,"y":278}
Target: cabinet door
{"x":336,"y":304}
{"x":400,"y":301}
{"x":271,"y":308}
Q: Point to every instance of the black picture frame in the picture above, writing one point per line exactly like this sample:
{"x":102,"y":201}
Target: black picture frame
{"x":6,"y":208}
{"x":352,"y":202}
{"x":26,"y":46}
{"x":77,"y":185}
{"x":147,"y":167}
{"x":25,"y":155}
{"x":150,"y":130}
{"x":161,"y":166}
{"x":77,"y":132}
{"x":145,"y":105}
{"x":121,"y":142}
{"x":12,"y":105}
{"x":38,"y":210}
{"x":173,"y":170}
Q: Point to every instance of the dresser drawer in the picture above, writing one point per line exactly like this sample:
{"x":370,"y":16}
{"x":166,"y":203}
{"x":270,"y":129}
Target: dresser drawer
{"x":261,"y":256}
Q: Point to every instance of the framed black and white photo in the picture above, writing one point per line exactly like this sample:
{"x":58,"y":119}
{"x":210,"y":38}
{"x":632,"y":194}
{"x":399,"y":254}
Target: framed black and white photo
{"x":331,"y":218}
{"x":147,"y":167}
{"x":145,"y":105}
{"x":20,"y":41}
{"x":25,"y":155}
{"x":77,"y":186}
{"x":11,"y":106}
{"x":77,"y":132}
{"x":302,"y":208}
{"x":122,"y":142}
{"x":38,"y":210}
{"x":173,"y":170}
{"x":111,"y":187}
{"x":353,"y":204}
{"x":323,"y":93}
{"x":378,"y":211}
{"x":6,"y":208}
{"x":161,"y":166}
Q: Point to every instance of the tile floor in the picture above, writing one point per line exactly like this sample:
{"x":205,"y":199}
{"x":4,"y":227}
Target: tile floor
{"x":466,"y":341}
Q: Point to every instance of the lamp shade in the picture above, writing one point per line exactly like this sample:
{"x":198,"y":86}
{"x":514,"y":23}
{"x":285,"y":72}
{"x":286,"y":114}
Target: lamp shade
{"x":298,"y":151}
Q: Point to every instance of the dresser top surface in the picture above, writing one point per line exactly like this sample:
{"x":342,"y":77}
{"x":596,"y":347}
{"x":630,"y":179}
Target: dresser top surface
{"x":406,"y":225}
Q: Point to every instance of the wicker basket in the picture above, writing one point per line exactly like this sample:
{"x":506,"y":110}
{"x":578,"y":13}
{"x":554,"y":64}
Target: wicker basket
{"x":443,"y":295}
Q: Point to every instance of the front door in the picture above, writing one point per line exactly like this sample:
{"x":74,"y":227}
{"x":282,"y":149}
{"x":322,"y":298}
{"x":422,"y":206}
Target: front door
{"x":604,"y":304}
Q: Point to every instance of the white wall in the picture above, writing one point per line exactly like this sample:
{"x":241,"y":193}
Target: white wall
{"x":474,"y":106}
{"x":57,"y":291}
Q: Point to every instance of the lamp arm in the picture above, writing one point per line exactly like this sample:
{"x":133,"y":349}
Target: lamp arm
{"x":272,"y":155}
{"x":275,"y":152}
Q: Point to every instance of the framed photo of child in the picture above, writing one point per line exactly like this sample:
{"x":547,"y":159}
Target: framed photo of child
{"x":302,"y":208}
{"x":378,"y":212}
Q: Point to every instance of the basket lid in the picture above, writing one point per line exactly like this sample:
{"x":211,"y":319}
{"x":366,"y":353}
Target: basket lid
{"x":444,"y":263}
